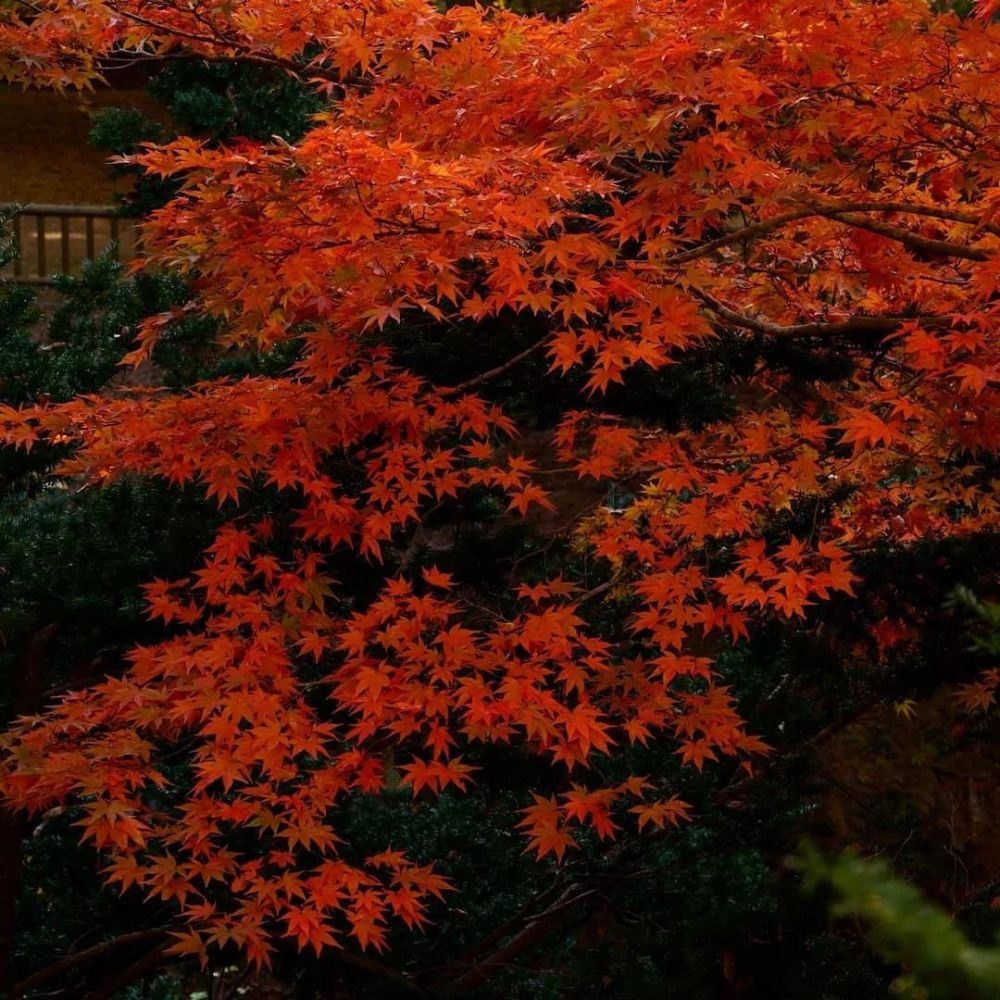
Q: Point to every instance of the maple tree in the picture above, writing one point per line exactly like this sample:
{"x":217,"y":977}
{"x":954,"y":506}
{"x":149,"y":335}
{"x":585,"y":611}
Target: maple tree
{"x":649,"y":180}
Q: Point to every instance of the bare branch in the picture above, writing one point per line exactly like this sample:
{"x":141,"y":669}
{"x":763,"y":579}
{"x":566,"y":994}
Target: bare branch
{"x":70,"y":962}
{"x":494,"y":372}
{"x":139,"y":969}
{"x":867,"y":325}
{"x":533,"y":931}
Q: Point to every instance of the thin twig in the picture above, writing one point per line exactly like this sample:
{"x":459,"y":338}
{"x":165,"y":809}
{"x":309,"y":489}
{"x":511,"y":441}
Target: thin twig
{"x":494,"y":372}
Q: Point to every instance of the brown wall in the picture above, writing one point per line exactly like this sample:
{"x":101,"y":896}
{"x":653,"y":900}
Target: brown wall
{"x":45,"y":155}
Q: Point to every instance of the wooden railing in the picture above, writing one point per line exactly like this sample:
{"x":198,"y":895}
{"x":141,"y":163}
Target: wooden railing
{"x":56,"y":239}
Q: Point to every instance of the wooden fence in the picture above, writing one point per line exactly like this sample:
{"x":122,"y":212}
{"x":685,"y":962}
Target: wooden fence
{"x":57,"y":239}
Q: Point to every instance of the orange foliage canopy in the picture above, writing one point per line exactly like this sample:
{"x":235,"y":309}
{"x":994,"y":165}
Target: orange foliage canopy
{"x":650,"y":177}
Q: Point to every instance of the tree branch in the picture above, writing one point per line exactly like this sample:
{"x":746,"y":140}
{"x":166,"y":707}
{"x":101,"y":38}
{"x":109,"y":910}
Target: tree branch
{"x":371,"y":966}
{"x":70,"y":962}
{"x":499,"y":932}
{"x":937,"y":248}
{"x":836,"y":211}
{"x":867,"y":325}
{"x":140,"y":968}
{"x":530,"y":934}
{"x":494,"y":372}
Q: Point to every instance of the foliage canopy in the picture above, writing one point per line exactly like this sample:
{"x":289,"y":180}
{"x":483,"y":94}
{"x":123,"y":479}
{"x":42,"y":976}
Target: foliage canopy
{"x":636,"y":183}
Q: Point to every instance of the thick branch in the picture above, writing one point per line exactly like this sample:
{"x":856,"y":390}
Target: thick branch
{"x":371,"y":966}
{"x":70,"y":962}
{"x":866,"y":325}
{"x":139,"y":969}
{"x":530,"y":935}
{"x":739,"y":235}
{"x":937,"y":248}
{"x":927,"y":211}
{"x":836,"y":211}
{"x":498,"y":933}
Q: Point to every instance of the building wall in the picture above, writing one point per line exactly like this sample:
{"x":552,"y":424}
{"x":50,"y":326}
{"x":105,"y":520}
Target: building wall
{"x":45,"y":155}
